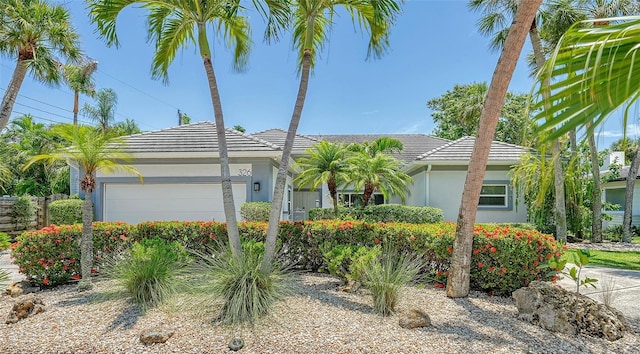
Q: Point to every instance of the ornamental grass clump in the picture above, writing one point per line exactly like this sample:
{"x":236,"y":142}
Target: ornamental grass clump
{"x":149,"y":271}
{"x":387,"y":275}
{"x":247,"y":292}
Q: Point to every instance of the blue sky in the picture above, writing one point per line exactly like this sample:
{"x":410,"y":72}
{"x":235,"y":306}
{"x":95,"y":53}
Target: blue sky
{"x":434,"y":46}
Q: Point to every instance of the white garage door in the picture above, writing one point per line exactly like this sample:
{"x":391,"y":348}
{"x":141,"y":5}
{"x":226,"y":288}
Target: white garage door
{"x":133,"y":203}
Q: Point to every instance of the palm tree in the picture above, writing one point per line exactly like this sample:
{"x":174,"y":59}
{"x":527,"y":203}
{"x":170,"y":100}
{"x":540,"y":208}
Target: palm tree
{"x":381,"y":145}
{"x":595,"y":71}
{"x":78,"y":77}
{"x":379,"y":172}
{"x":104,"y":112}
{"x":326,"y":163}
{"x":312,"y":22}
{"x":128,"y":127}
{"x":458,"y":280}
{"x":175,"y":24}
{"x":93,"y":150}
{"x":34,"y":33}
{"x":497,"y":18}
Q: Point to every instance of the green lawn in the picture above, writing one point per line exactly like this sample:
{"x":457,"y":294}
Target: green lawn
{"x":612,"y":259}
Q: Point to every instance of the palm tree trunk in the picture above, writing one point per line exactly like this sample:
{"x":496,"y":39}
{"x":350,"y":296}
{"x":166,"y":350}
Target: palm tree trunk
{"x":596,"y":223}
{"x":560,"y":214}
{"x":12,"y":92}
{"x":75,"y":107}
{"x":628,"y":197}
{"x":86,"y":243}
{"x":281,"y":179}
{"x":458,"y":281}
{"x":227,"y":189}
{"x":366,"y":196}
{"x":333,"y":191}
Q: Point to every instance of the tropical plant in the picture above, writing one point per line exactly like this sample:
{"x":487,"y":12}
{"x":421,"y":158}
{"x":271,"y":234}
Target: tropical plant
{"x":381,"y":173}
{"x":149,"y":271}
{"x":35,"y":33}
{"x":247,"y":291}
{"x":326,"y":163}
{"x":175,"y":24}
{"x":312,"y":22}
{"x":78,"y":77}
{"x":579,"y":259}
{"x":593,"y":72}
{"x":104,"y":112}
{"x":93,"y":150}
{"x":386,"y":275}
{"x":5,"y":241}
{"x":458,"y":280}
{"x":255,"y":211}
{"x":128,"y":127}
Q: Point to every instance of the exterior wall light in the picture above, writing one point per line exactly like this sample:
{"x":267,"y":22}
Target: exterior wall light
{"x":256,"y":187}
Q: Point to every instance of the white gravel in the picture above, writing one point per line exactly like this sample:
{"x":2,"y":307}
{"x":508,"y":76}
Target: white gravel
{"x":317,"y":319}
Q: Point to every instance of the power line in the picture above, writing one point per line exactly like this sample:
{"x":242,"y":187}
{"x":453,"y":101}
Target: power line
{"x":137,"y":89}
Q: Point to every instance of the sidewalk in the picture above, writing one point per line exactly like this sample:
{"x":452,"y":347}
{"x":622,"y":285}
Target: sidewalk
{"x":625,"y":285}
{"x":5,"y":264}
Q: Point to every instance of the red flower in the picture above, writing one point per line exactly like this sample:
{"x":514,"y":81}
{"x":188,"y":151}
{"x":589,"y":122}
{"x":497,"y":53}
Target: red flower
{"x":439,"y":285}
{"x":45,"y":281}
{"x":535,"y":263}
{"x":493,"y":249}
{"x":491,"y":269}
{"x":449,"y":249}
{"x":480,"y":264}
{"x":476,"y":251}
{"x":377,"y":240}
{"x":76,"y":277}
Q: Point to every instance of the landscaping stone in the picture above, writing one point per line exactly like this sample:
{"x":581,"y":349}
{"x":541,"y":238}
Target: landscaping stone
{"x":155,"y":335}
{"x":25,"y":306}
{"x":414,"y":319}
{"x":559,"y":310}
{"x":236,"y":344}
{"x":21,"y":288}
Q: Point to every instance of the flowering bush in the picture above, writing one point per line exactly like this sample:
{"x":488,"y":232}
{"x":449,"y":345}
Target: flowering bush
{"x":51,"y":256}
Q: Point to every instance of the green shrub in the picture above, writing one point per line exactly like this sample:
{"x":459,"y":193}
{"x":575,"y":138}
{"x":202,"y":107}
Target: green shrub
{"x":247,"y":292}
{"x":255,"y":211}
{"x":23,"y":212}
{"x":51,"y":256}
{"x":148,"y":270}
{"x":349,"y":262}
{"x":5,"y":241}
{"x":382,"y":213}
{"x":66,"y":211}
{"x":386,"y":275}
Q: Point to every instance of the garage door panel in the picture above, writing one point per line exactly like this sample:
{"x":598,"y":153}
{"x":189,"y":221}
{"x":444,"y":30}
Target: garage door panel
{"x":134,"y":203}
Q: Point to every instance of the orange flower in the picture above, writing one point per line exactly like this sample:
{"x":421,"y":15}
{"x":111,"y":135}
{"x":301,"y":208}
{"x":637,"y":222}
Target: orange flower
{"x":45,"y":281}
{"x":449,"y":249}
{"x":480,"y":264}
{"x":493,"y":249}
{"x":476,"y":251}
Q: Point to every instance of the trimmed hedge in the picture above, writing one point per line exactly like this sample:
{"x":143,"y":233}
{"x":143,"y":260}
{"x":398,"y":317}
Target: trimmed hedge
{"x":382,"y":213}
{"x":255,"y":211}
{"x":504,"y":258}
{"x":66,"y":211}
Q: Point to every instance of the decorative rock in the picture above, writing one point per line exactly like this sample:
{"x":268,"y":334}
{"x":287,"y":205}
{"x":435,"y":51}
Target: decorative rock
{"x":236,"y":344}
{"x":414,"y":319}
{"x":24,"y":307}
{"x":155,"y":335}
{"x":20,"y":288}
{"x":559,"y":310}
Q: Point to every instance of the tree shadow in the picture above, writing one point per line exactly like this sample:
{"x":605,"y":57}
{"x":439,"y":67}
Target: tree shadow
{"x":326,"y":291}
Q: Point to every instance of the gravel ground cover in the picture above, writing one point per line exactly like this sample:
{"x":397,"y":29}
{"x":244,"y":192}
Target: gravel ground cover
{"x":317,"y":318}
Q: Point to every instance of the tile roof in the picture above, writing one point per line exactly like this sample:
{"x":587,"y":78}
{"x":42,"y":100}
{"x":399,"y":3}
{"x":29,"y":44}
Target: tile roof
{"x":278,"y":136}
{"x":196,"y":137}
{"x":414,"y":144}
{"x":624,"y":172}
{"x":461,"y":149}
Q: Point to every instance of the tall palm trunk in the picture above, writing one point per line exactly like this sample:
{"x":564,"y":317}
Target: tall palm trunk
{"x":366,"y":196}
{"x":227,"y":189}
{"x":596,"y":203}
{"x":628,"y":197}
{"x":281,"y":179}
{"x":12,"y":92}
{"x":560,"y":214}
{"x":86,"y":243}
{"x":76,"y":98}
{"x":458,"y":281}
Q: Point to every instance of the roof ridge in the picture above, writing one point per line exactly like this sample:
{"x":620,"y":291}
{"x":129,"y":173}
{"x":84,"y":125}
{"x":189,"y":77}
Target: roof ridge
{"x":285,"y":131}
{"x":164,"y":129}
{"x":433,"y":151}
{"x":254,"y":138}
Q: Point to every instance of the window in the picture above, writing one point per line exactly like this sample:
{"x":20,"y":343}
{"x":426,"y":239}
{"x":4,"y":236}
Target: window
{"x":615,"y":196}
{"x":494,"y":195}
{"x":355,"y":199}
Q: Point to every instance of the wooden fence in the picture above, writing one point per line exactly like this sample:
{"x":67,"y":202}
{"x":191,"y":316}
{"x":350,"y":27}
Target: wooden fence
{"x":40,"y":218}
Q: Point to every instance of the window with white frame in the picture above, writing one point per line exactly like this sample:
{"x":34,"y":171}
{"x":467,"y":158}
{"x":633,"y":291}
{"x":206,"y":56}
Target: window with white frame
{"x":494,"y":195}
{"x":355,"y":199}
